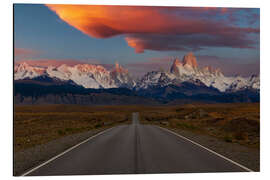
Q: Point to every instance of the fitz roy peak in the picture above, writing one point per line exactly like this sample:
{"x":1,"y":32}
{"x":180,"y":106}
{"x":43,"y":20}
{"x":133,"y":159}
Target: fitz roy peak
{"x":98,"y":77}
{"x":187,"y":70}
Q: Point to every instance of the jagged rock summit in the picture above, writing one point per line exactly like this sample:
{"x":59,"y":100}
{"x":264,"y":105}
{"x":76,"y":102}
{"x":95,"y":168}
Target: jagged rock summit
{"x":190,"y":60}
{"x":86,"y":75}
{"x":187,"y":70}
{"x":98,"y":77}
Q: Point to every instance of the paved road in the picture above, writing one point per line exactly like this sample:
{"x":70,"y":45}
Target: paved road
{"x":136,"y":148}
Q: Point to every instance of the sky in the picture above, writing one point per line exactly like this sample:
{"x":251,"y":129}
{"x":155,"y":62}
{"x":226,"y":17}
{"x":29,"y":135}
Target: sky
{"x":141,"y":38}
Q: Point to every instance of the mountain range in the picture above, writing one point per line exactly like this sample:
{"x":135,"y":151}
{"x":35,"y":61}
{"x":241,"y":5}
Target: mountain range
{"x":183,"y":82}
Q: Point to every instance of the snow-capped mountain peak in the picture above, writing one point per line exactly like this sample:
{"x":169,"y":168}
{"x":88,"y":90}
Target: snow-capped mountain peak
{"x":23,"y":70}
{"x":188,"y":66}
{"x":121,"y":77}
{"x":97,"y":76}
{"x":187,"y":70}
{"x":86,"y":75}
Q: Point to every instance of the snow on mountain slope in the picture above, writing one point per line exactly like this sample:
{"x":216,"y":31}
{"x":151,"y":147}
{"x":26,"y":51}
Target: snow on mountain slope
{"x":87,"y":75}
{"x":92,"y":73}
{"x":187,"y":71}
{"x":240,"y":83}
{"x":121,"y":77}
{"x":23,"y":70}
{"x":81,"y":75}
{"x":96,"y":76}
{"x":155,"y":78}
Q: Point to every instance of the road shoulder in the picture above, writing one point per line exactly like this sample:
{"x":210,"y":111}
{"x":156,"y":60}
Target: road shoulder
{"x":249,"y":157}
{"x":26,"y":159}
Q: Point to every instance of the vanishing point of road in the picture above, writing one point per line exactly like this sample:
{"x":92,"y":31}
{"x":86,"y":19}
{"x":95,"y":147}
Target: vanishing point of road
{"x":136,"y":149}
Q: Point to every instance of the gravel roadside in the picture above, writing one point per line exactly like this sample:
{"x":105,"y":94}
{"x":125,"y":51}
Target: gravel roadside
{"x":249,"y":157}
{"x":29,"y":158}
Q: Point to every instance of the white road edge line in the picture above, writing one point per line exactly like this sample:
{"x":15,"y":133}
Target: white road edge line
{"x":71,"y":148}
{"x":231,"y":161}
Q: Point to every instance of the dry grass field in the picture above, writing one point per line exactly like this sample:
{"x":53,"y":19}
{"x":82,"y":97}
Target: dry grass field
{"x":38,"y":124}
{"x":235,"y":123}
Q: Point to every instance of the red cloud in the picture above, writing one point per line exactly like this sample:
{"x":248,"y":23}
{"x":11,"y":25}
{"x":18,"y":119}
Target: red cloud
{"x":108,"y":21}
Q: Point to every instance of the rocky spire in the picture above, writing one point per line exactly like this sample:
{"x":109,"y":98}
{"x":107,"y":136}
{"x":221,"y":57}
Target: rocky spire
{"x":119,"y":68}
{"x":190,"y":59}
{"x":175,"y":66}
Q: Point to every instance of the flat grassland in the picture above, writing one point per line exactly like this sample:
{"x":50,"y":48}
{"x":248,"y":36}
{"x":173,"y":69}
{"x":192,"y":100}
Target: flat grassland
{"x":39,"y":124}
{"x":234,"y":122}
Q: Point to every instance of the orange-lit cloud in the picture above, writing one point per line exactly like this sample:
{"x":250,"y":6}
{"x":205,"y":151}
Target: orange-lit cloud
{"x":107,"y":21}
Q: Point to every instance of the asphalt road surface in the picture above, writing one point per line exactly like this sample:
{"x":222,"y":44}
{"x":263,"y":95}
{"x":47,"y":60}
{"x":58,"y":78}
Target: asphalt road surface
{"x":132,"y":149}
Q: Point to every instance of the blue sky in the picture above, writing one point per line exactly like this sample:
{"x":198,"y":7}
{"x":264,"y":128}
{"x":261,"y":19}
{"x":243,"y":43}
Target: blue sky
{"x":51,"y":35}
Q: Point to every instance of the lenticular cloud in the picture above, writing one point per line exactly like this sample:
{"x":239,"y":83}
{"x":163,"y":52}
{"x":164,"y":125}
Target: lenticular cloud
{"x":151,"y":28}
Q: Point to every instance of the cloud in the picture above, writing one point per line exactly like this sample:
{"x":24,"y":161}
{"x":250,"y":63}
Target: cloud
{"x":230,"y":67}
{"x":57,"y":62}
{"x":187,"y":42}
{"x":24,"y":53}
{"x":107,"y":21}
{"x":158,"y":28}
